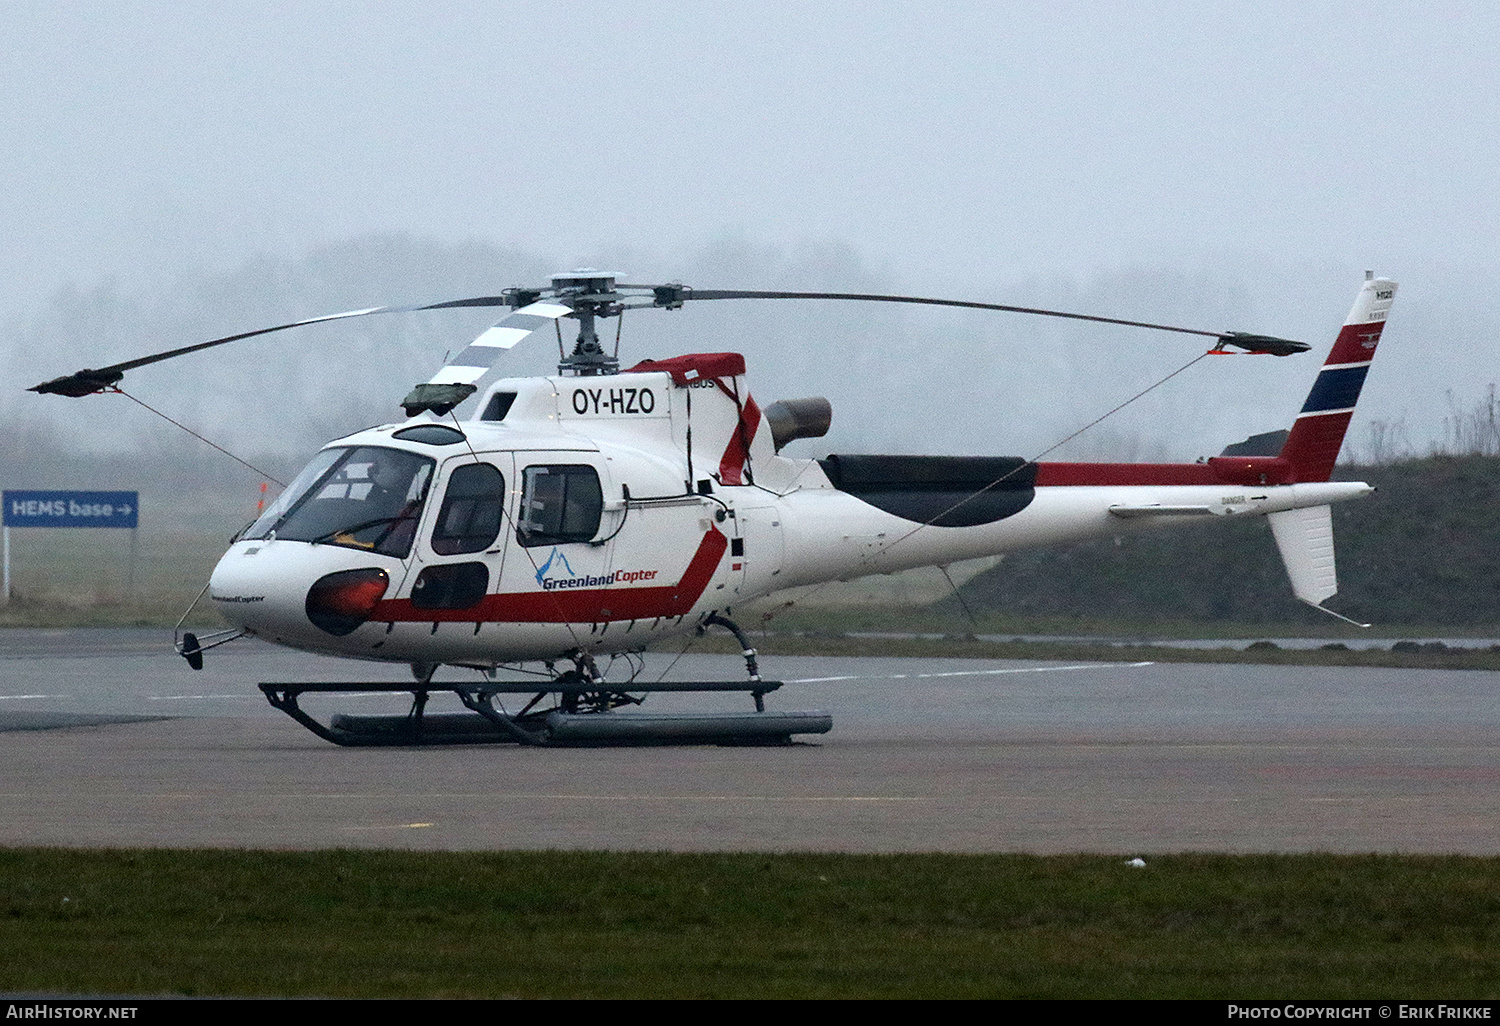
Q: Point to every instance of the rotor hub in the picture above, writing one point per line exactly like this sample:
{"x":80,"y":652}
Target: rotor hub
{"x":591,"y":294}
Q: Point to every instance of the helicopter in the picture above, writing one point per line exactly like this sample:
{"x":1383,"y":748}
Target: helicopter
{"x":601,"y":510}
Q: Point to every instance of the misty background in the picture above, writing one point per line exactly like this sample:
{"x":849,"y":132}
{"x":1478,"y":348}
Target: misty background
{"x":171,"y":172}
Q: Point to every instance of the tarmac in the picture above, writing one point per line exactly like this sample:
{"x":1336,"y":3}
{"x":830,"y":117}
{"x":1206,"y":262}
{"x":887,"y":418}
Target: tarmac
{"x":925,"y":755}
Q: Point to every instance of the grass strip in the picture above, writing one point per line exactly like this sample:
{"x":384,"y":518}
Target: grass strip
{"x":585,"y":924}
{"x":959,"y":647}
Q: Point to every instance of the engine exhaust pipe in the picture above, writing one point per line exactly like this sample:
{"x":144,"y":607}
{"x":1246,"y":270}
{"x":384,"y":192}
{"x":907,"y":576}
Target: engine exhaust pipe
{"x":791,"y":419}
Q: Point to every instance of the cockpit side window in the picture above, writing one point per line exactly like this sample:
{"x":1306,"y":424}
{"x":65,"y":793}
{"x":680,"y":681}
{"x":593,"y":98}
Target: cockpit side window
{"x":559,"y":503}
{"x":473,"y":506}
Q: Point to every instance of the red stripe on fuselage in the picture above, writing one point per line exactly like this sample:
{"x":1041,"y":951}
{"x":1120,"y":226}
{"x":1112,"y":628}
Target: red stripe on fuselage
{"x":1220,"y":470}
{"x":1053,"y":474}
{"x":583,"y":605}
{"x":732,"y":465}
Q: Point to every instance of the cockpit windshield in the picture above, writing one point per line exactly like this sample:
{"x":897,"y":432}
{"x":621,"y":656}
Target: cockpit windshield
{"x":362,"y":498}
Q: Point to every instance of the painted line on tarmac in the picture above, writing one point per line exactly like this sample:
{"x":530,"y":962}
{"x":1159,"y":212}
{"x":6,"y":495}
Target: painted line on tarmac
{"x":1054,"y":799}
{"x":490,"y":795}
{"x":564,"y":796}
{"x":189,"y":698}
{"x":968,"y":673}
{"x":711,"y":798}
{"x":241,"y":697}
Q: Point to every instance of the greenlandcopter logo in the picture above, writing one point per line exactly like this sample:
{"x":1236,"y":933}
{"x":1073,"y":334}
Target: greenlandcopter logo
{"x":553,"y":577}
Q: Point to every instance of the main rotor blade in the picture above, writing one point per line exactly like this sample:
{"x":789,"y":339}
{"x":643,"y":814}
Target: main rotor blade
{"x":670,"y":295}
{"x":473,"y":368}
{"x":90,"y":380}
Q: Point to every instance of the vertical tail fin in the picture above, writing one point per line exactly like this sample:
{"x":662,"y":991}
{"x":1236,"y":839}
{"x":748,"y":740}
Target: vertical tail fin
{"x":1304,"y":538}
{"x":1316,"y":437}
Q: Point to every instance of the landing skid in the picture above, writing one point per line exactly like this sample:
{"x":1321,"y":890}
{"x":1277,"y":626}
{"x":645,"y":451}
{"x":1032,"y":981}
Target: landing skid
{"x":597,"y":724}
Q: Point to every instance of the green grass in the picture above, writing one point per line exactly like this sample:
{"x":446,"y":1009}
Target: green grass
{"x":82,"y":578}
{"x":571,"y":924}
{"x":947,"y":618}
{"x":960,"y":647}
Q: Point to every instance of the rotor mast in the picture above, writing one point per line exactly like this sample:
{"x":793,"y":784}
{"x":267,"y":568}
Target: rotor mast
{"x":592,"y":296}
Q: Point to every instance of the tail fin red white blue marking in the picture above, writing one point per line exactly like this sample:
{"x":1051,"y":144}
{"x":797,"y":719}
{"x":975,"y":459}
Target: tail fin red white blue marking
{"x":1314,"y":443}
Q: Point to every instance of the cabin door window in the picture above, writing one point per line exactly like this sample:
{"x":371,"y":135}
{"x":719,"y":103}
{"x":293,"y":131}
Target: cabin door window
{"x":560,"y":503}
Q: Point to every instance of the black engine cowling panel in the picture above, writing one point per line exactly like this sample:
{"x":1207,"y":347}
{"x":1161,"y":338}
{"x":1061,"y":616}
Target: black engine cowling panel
{"x":944,"y":491}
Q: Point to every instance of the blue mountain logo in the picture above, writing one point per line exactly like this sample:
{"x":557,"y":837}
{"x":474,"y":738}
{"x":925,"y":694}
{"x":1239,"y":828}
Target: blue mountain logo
{"x":541,"y":572}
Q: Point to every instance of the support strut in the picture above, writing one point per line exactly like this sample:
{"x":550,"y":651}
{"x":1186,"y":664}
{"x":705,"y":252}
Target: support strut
{"x":751,"y":668}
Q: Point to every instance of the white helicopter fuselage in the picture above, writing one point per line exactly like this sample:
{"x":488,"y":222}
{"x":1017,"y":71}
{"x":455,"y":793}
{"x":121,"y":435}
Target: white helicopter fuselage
{"x":600,"y":514}
{"x":596,"y":512}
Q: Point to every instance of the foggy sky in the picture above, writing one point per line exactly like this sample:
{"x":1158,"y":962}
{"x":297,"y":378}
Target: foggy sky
{"x":1241,"y":163}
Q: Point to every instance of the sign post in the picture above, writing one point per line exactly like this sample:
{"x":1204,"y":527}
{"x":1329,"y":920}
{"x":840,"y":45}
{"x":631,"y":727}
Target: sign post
{"x":70,"y":509}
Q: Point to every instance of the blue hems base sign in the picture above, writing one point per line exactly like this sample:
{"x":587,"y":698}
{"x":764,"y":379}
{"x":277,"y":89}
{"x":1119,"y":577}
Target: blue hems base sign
{"x":71,"y":509}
